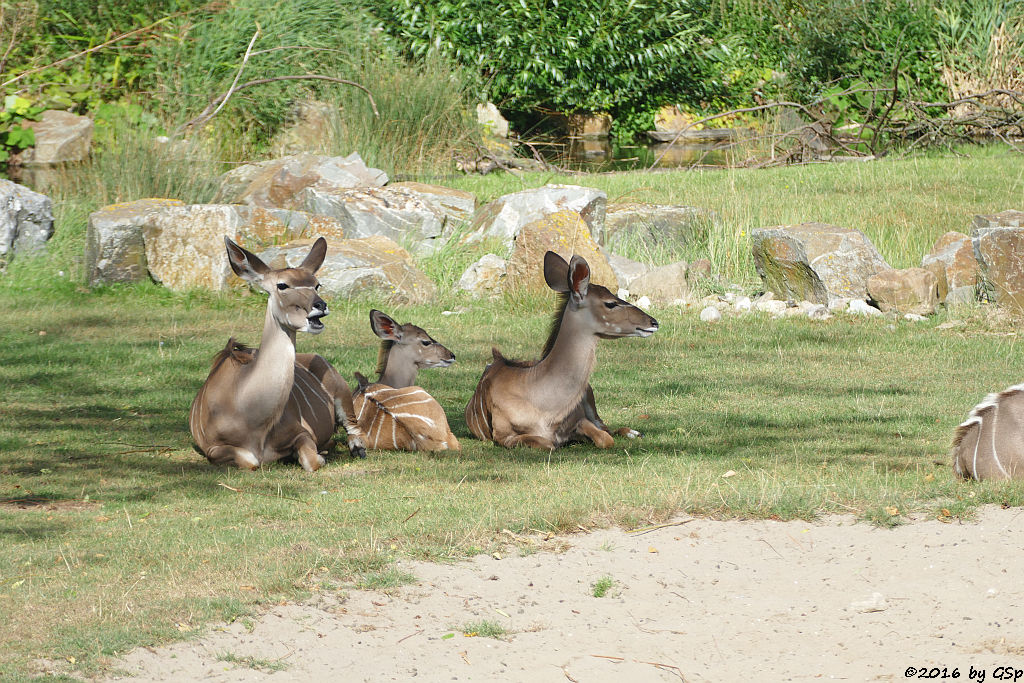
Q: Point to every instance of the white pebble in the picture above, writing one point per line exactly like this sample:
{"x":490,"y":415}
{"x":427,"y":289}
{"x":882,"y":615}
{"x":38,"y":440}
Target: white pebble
{"x":861,"y":307}
{"x":710,"y":315}
{"x":643,"y":302}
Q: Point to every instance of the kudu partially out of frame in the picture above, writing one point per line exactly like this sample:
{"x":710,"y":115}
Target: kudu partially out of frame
{"x":392,"y":413}
{"x":989,"y":444}
{"x":261,"y":405}
{"x":549,"y":402}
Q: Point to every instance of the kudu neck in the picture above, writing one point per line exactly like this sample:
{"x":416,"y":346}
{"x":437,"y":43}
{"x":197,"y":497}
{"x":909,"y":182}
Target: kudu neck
{"x":268,"y":382}
{"x":398,"y":371}
{"x":570,"y":360}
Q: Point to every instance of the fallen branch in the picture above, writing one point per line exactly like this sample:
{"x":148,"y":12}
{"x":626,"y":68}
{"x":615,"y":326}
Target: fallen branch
{"x":640,"y":531}
{"x":206,"y":114}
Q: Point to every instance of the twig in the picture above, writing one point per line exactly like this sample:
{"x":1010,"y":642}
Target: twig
{"x":408,"y":636}
{"x":205,"y":115}
{"x":648,"y":529}
{"x":241,"y":67}
{"x":413,"y":514}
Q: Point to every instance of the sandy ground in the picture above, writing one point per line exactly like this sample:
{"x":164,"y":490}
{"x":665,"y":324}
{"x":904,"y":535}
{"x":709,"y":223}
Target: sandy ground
{"x":696,"y":601}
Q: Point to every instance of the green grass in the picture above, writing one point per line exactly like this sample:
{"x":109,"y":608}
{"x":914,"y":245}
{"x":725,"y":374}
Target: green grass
{"x":483,"y":629}
{"x":114,"y":533}
{"x":602,"y":586}
{"x":269,"y":665}
{"x":902,"y":204}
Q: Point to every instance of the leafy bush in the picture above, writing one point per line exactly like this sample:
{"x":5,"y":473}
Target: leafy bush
{"x":590,"y":55}
{"x":13,"y":136}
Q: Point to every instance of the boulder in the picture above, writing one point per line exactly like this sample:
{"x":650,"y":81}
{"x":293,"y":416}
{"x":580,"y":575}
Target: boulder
{"x":505,"y":216}
{"x":485,"y":277}
{"x":955,"y":267}
{"x":626,"y":270}
{"x":114,"y":248}
{"x":26,"y":220}
{"x":309,"y":125}
{"x":655,"y":225}
{"x":911,"y":290}
{"x":592,"y":125}
{"x":372,"y":266}
{"x":185,"y":244}
{"x":565,"y":233}
{"x":422,"y":217}
{"x":1011,"y":218}
{"x":664,"y":284}
{"x":815,"y":261}
{"x":61,"y":138}
{"x":1000,"y":254}
{"x":488,"y":116}
{"x":278,"y":182}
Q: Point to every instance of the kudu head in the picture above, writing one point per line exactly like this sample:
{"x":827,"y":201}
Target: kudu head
{"x":410,"y":345}
{"x":600,"y":311}
{"x":294,"y":302}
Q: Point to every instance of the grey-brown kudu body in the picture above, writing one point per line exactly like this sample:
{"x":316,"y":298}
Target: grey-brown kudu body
{"x":989,"y":444}
{"x":392,"y":413}
{"x":261,"y":405}
{"x":547,"y":403}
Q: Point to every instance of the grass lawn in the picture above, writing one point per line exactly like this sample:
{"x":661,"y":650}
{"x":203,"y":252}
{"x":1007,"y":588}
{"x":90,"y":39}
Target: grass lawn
{"x":115,"y":533}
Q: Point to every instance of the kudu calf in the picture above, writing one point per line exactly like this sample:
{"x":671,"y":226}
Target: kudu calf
{"x":547,"y":403}
{"x":989,"y":444}
{"x":261,"y":405}
{"x":392,"y":413}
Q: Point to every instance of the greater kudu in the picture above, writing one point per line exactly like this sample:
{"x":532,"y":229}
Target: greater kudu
{"x":392,"y":413}
{"x":261,"y":405}
{"x":989,"y":444}
{"x":549,"y":402}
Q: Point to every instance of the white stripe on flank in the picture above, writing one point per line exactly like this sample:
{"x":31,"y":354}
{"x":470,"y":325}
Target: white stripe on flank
{"x":995,"y":453}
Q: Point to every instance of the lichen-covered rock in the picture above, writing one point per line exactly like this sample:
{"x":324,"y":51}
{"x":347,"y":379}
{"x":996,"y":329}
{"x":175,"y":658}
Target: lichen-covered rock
{"x":61,"y":138}
{"x":663,"y":284}
{"x":485,"y":277}
{"x":278,"y":182}
{"x":372,"y":266}
{"x":911,"y":290}
{"x":955,"y":267}
{"x":999,"y":248}
{"x":309,"y":127}
{"x":566,"y":234}
{"x":422,"y":217}
{"x":26,"y":220}
{"x":185,"y":244}
{"x":505,"y":216}
{"x":656,"y":225}
{"x":815,"y":261}
{"x":114,"y":248}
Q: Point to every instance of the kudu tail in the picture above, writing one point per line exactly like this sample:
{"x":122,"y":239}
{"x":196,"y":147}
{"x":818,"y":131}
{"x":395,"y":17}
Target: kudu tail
{"x":989,"y":444}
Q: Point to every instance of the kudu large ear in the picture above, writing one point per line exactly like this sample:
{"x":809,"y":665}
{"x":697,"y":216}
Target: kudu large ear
{"x":384,"y":326}
{"x":244,"y":263}
{"x":556,"y":272}
{"x":315,"y":258}
{"x":579,"y":278}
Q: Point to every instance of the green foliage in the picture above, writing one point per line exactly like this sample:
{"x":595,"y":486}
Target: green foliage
{"x":602,"y":586}
{"x":588,"y":55}
{"x":15,"y":137}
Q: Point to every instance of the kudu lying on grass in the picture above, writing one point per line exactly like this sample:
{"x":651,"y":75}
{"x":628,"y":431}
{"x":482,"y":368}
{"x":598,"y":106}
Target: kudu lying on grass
{"x":990,"y":442}
{"x":392,"y":413}
{"x":549,"y":402}
{"x":261,"y":405}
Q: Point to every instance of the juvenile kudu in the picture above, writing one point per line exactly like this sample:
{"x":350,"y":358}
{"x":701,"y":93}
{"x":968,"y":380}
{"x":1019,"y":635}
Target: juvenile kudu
{"x":392,"y":413}
{"x":549,"y":402}
{"x":989,"y":444}
{"x":261,"y":405}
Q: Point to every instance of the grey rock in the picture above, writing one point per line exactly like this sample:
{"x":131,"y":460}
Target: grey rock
{"x":909,"y":290}
{"x":114,"y":247}
{"x":710,"y":315}
{"x":61,"y":138}
{"x":484,"y":277}
{"x":507,"y":215}
{"x":663,"y":284}
{"x":653,"y":225}
{"x":626,"y":270}
{"x":815,"y":261}
{"x":26,"y":220}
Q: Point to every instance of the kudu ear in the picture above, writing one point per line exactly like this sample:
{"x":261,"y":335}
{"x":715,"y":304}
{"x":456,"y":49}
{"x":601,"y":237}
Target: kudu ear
{"x":244,"y":263}
{"x":315,"y":258}
{"x":384,"y":326}
{"x":579,"y":278}
{"x":556,"y":272}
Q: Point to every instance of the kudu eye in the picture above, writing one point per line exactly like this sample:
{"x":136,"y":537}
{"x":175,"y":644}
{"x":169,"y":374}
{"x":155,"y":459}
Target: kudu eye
{"x":611,"y":304}
{"x":282,"y":286}
{"x":426,"y":342}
